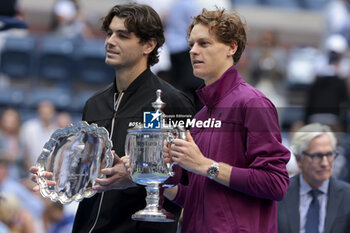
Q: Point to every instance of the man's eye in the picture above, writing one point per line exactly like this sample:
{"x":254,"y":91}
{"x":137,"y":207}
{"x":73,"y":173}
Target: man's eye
{"x":123,"y":36}
{"x":329,"y":154}
{"x":109,"y":33}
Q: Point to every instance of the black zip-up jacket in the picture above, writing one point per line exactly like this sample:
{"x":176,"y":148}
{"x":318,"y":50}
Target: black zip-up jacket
{"x":118,"y":205}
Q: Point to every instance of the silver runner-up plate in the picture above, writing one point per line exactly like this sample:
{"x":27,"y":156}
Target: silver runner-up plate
{"x":74,"y":155}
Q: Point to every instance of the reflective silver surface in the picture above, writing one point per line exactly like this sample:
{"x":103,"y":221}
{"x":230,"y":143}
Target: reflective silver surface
{"x":145,"y":147}
{"x":75,"y":155}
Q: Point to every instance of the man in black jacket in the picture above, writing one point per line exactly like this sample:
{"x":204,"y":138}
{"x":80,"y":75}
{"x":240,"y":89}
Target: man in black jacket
{"x":134,"y":35}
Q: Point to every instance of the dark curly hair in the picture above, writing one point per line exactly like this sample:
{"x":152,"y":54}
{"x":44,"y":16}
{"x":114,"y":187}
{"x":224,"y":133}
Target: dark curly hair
{"x":228,"y":28}
{"x":142,"y":20}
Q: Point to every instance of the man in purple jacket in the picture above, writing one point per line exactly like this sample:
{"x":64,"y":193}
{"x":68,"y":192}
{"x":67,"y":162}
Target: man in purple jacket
{"x":234,"y":155}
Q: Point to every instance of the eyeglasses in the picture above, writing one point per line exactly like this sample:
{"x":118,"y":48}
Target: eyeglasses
{"x":317,"y":157}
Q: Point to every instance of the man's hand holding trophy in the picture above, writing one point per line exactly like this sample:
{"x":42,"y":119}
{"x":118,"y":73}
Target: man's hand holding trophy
{"x":78,"y":161}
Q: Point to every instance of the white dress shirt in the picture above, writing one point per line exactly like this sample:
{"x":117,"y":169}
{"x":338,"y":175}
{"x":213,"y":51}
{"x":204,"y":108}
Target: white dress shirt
{"x":305,"y":201}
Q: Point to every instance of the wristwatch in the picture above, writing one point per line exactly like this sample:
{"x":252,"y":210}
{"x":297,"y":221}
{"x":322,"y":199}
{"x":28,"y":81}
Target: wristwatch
{"x":213,"y":171}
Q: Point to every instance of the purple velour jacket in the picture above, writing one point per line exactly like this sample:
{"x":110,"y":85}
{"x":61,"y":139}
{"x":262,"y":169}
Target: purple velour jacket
{"x":249,"y":140}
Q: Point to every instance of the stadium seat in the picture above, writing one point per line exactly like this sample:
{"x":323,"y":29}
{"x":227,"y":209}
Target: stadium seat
{"x":60,"y":97}
{"x":245,"y":2}
{"x":313,"y":5}
{"x":56,"y":59}
{"x":92,"y":68}
{"x":17,"y":56}
{"x":12,"y":96}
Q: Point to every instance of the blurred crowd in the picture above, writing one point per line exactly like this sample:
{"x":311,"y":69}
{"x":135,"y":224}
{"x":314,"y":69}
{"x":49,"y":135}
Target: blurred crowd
{"x":22,"y":210}
{"x":306,"y":83}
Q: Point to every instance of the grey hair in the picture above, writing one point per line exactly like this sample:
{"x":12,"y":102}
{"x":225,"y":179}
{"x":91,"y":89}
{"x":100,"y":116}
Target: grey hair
{"x":306,"y":134}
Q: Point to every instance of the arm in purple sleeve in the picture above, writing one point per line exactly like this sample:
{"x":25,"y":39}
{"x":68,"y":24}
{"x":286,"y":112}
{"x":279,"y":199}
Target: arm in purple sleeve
{"x":266,"y":175}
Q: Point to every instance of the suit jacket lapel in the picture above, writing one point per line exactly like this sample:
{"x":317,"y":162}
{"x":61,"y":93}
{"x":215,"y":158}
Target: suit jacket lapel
{"x":293,"y":205}
{"x":334,"y":200}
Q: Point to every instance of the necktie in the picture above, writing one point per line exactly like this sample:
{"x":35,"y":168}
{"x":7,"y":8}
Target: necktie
{"x":312,"y":217}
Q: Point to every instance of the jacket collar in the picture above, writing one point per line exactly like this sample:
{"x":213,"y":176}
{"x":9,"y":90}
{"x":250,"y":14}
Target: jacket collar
{"x":139,"y":81}
{"x":211,"y":94}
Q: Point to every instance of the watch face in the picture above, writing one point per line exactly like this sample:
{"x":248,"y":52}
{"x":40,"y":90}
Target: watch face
{"x":213,"y":172}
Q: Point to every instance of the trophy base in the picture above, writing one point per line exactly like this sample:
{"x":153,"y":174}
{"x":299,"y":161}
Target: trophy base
{"x":153,"y":216}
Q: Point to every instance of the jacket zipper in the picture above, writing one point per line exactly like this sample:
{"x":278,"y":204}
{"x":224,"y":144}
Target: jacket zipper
{"x":116,"y":107}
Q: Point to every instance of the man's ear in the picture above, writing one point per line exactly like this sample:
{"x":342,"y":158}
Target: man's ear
{"x":232,"y":49}
{"x":149,"y":46}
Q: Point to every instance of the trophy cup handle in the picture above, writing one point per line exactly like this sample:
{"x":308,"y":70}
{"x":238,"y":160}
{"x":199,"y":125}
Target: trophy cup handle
{"x":182,"y":135}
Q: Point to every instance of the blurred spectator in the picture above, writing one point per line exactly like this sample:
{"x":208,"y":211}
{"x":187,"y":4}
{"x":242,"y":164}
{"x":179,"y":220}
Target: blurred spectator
{"x":55,"y":220}
{"x":325,"y":99}
{"x":10,"y":16}
{"x":11,"y":20}
{"x":269,"y":70}
{"x":27,"y":200}
{"x":13,"y":216}
{"x":10,"y":125}
{"x":68,"y":20}
{"x":244,"y":65}
{"x":328,"y":93}
{"x":269,"y":59}
{"x":292,"y":165}
{"x":37,"y":131}
{"x":3,"y":227}
{"x":176,"y":16}
{"x":162,"y":68}
{"x":334,"y":60}
{"x":8,"y":8}
{"x":63,"y":119}
{"x":181,"y":76}
{"x":337,"y":18}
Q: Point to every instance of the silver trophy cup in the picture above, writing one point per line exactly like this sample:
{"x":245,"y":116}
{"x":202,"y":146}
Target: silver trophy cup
{"x":74,"y":156}
{"x":145,"y":148}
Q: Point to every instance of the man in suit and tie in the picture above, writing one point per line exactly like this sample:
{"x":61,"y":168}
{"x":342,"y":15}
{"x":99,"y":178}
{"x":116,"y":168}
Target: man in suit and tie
{"x":315,"y":201}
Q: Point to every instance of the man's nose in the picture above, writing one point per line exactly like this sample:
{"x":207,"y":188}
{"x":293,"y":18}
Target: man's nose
{"x":324,"y":160}
{"x":194,"y":49}
{"x":110,"y":40}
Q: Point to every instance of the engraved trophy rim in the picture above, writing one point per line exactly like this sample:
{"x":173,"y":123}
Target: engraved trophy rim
{"x":48,"y":153}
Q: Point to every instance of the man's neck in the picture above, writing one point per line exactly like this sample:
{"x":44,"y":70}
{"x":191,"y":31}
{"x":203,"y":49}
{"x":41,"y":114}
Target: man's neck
{"x":124,"y":77}
{"x":313,"y":184}
{"x":46,"y":123}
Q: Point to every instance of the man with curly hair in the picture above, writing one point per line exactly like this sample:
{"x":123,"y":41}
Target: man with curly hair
{"x":237,"y":171}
